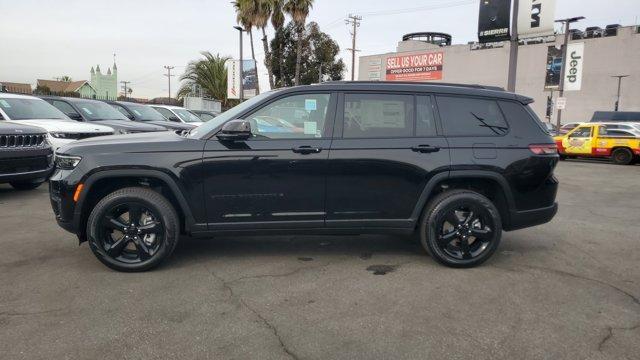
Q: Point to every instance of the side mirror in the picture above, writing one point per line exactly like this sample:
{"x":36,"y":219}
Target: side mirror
{"x":235,"y":130}
{"x":130,"y":117}
{"x":75,"y":116}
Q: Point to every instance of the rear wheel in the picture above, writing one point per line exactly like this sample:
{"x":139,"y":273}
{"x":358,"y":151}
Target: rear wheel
{"x":460,"y":228}
{"x":26,"y":185}
{"x":133,"y":229}
{"x":622,"y":156}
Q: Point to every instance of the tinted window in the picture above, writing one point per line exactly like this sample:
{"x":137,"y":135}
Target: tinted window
{"x":618,"y":133}
{"x":425,"y":120}
{"x":166,"y":113}
{"x":145,"y":113}
{"x":469,"y":116}
{"x":95,"y":110}
{"x":25,"y":108}
{"x":292,"y":117}
{"x":122,"y":110}
{"x":378,"y":115}
{"x":64,"y":107}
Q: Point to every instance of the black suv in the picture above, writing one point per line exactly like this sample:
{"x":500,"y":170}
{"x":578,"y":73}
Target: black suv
{"x":453,"y":164}
{"x":26,"y":158}
{"x":97,"y":111}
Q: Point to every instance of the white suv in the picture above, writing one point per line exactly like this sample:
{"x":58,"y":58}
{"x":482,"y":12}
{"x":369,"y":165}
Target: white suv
{"x":178,"y":114}
{"x":29,"y":110}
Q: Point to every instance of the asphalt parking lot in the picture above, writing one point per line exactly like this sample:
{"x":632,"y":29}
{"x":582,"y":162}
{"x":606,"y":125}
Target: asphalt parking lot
{"x":566,"y":290}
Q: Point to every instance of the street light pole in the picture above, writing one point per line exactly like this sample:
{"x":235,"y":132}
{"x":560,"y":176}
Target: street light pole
{"x":241,"y":88}
{"x":567,"y":24}
{"x":513,"y":50}
{"x":620,"y":77}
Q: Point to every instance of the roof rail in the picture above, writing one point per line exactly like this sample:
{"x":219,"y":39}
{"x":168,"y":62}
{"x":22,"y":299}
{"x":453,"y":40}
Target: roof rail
{"x":472,"y":86}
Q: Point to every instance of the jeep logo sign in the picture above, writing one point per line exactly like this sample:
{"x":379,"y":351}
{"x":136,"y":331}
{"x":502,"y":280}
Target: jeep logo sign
{"x":535,"y":18}
{"x":573,"y":67}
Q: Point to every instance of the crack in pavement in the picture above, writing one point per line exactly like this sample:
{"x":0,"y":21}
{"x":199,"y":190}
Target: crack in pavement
{"x":264,"y":321}
{"x":28,"y":313}
{"x":279,"y":275}
{"x":610,"y":331}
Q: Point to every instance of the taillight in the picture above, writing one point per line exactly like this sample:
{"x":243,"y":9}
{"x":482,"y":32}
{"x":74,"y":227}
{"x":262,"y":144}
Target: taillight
{"x":544,"y":149}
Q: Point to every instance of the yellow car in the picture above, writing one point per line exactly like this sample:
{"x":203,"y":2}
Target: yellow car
{"x":601,"y":140}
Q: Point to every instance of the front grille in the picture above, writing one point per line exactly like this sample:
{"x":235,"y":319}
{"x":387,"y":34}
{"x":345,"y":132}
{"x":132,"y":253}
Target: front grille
{"x":19,"y":141}
{"x":80,"y":136}
{"x":24,"y":164}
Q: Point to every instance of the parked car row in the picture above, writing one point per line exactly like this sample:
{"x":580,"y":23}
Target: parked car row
{"x":33,"y":128}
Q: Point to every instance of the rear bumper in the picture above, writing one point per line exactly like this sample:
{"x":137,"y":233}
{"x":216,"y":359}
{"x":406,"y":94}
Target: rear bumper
{"x":528,"y":218}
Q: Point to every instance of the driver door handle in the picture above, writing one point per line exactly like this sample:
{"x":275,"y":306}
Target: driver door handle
{"x":425,"y":148}
{"x":306,"y":149}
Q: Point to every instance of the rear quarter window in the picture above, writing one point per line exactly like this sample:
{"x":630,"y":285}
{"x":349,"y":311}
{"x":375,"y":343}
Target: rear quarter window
{"x":522,"y":119}
{"x":466,"y":116}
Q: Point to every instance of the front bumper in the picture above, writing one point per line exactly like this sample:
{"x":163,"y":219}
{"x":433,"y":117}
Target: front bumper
{"x":62,"y":204}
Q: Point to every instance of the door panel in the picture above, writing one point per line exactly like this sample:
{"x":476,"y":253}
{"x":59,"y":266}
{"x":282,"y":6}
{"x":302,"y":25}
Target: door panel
{"x":579,"y":142}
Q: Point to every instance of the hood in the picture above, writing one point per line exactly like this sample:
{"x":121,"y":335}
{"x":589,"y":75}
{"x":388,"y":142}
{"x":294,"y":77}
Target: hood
{"x":8,"y":128}
{"x":129,"y":125}
{"x":139,"y":142}
{"x":171,"y":125}
{"x":67,"y":126}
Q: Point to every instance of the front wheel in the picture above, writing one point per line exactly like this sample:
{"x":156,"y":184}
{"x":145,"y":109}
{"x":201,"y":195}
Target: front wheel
{"x":622,"y":156}
{"x":460,"y":228}
{"x":133,"y":229}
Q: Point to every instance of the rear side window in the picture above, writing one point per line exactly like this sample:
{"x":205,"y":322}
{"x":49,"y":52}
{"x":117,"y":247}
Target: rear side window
{"x":462,"y":116}
{"x":425,"y":120}
{"x":378,"y":115}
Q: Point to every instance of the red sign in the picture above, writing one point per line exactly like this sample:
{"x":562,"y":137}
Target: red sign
{"x":418,"y":67}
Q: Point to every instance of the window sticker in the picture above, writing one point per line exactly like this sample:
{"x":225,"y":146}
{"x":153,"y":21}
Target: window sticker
{"x":87,"y":111}
{"x":310,"y":104}
{"x":137,"y":112}
{"x":310,"y":127}
{"x":5,"y":104}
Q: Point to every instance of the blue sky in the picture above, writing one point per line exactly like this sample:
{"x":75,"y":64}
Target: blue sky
{"x":44,"y":39}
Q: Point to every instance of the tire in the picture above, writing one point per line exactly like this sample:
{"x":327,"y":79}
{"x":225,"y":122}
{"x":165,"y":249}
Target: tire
{"x":563,"y":157}
{"x":134,"y":251}
{"x":26,"y":185}
{"x":480,"y":226}
{"x":622,"y":156}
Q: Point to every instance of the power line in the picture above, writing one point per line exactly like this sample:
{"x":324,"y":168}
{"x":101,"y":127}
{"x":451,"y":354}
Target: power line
{"x":125,"y":84}
{"x":168,"y":75}
{"x":353,"y":20}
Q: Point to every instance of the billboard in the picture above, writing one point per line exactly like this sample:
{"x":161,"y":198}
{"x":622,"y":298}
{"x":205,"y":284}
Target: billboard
{"x":416,"y":67}
{"x":536,"y":18}
{"x":494,"y":20}
{"x":554,"y":66}
{"x":249,"y":79}
{"x":574,"y":64}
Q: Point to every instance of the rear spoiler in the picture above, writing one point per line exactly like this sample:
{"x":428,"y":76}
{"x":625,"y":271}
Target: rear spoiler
{"x":524,"y":100}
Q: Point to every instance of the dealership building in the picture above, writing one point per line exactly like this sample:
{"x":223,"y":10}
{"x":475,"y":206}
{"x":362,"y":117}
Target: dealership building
{"x":605,"y":54}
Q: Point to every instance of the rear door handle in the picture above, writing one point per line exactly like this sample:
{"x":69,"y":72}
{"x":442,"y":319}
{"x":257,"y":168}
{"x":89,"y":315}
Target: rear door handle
{"x":306,"y":149}
{"x":425,"y":148}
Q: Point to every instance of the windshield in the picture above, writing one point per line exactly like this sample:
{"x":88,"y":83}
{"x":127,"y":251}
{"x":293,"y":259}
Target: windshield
{"x":186,"y":115}
{"x":230,"y":114}
{"x":26,"y":109}
{"x":146,"y":113}
{"x":95,"y":110}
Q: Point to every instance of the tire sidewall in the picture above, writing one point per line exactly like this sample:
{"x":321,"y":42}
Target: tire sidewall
{"x":170,"y":236}
{"x":428,"y":226}
{"x":628,"y":156}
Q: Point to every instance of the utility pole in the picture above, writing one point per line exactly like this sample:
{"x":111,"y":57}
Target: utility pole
{"x":513,"y":49}
{"x":241,"y":87}
{"x":620,"y":77}
{"x":168,"y":75}
{"x":567,"y":24}
{"x":353,"y":20}
{"x":124,"y":87}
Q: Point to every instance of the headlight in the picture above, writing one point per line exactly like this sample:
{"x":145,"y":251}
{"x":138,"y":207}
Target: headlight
{"x":59,"y":135}
{"x":67,"y":162}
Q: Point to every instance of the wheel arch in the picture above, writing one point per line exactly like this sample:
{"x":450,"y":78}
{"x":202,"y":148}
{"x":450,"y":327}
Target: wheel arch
{"x":490,"y":184}
{"x":101,"y":183}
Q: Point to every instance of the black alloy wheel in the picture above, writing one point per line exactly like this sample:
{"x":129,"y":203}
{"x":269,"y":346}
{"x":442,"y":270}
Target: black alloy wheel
{"x":461,"y":228}
{"x":133,"y":229}
{"x":130,"y":233}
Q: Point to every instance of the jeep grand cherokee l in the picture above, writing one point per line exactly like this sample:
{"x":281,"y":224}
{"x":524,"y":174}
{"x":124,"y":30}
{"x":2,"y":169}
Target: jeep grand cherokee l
{"x":26,"y":158}
{"x":455,"y":165}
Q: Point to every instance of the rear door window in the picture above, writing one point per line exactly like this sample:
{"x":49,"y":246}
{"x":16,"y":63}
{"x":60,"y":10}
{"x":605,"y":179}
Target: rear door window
{"x":425,"y":118}
{"x":464,"y":116}
{"x":378,"y":116}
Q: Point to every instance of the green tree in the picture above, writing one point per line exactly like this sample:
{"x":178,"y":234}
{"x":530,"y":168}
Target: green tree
{"x":298,"y":10}
{"x":208,"y":74}
{"x":277,"y":21}
{"x":66,"y":78}
{"x":318,"y":52}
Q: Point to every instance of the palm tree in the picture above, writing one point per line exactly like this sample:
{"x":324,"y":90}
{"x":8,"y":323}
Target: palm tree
{"x":277,"y":21}
{"x":299,"y":10}
{"x":262,"y":14}
{"x":208,"y":74}
{"x":246,"y":16}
